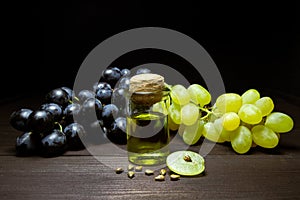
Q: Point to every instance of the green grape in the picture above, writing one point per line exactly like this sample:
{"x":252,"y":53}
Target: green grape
{"x":160,"y":107}
{"x":230,"y":121}
{"x":180,"y":95}
{"x":172,"y":125}
{"x":189,"y":114}
{"x":186,"y":163}
{"x":250,"y":114}
{"x":241,"y":140}
{"x":279,"y":122}
{"x":210,"y":132}
{"x":224,"y":134}
{"x":250,"y":96}
{"x":192,"y":134}
{"x":216,"y":113}
{"x":229,"y":102}
{"x":175,"y":113}
{"x":218,"y":124}
{"x":265,"y":104}
{"x":199,"y":95}
{"x":181,"y":129}
{"x":249,"y":126}
{"x":264,"y":136}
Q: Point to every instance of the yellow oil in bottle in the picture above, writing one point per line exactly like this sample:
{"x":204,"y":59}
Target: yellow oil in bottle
{"x":147,"y":138}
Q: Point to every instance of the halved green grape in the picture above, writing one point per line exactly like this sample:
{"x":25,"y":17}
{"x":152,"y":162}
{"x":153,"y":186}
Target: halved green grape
{"x":175,"y":113}
{"x":172,"y":125}
{"x":186,"y":163}
{"x":241,"y":140}
{"x":192,"y":134}
{"x":279,"y":122}
{"x":250,"y":96}
{"x":265,"y":104}
{"x":224,"y":134}
{"x":199,"y":95}
{"x":189,"y":114}
{"x":230,"y":121}
{"x":180,"y":95}
{"x":210,"y":132}
{"x":264,"y":136}
{"x":250,"y":114}
{"x":229,"y":102}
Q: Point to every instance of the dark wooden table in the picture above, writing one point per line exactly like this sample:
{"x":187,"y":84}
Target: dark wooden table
{"x":260,"y":174}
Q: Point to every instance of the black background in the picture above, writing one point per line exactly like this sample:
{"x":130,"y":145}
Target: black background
{"x":253,"y":44}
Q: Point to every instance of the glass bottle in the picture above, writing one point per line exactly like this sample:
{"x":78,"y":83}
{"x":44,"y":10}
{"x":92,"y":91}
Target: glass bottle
{"x":147,"y":123}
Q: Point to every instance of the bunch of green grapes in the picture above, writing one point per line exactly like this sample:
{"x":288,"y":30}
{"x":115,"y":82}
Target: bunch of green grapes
{"x":185,"y":111}
{"x":245,"y":120}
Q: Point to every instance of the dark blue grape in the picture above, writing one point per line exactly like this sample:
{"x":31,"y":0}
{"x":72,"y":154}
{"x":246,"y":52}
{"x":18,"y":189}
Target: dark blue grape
{"x":69,"y":91}
{"x":124,"y":83}
{"x":40,"y":121}
{"x":118,"y":98}
{"x":104,"y":96}
{"x":102,"y":86}
{"x":58,"y":96}
{"x":143,"y":71}
{"x":55,"y":109}
{"x":111,"y":75}
{"x":117,"y":131}
{"x":90,"y":108}
{"x":27,"y":144}
{"x":109,"y":112}
{"x":18,"y":119}
{"x":125,"y":72}
{"x":53,"y":144}
{"x":70,"y":111}
{"x":84,"y":95}
{"x":74,"y":132}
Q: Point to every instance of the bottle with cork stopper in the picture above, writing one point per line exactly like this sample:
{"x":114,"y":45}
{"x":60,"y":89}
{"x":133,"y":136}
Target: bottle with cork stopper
{"x":147,"y":120}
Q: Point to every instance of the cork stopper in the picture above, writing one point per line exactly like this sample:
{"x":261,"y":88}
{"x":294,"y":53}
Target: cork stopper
{"x":146,"y":89}
{"x":146,"y":83}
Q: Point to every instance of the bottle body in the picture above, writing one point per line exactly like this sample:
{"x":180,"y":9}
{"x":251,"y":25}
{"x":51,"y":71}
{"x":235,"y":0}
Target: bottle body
{"x":147,"y":131}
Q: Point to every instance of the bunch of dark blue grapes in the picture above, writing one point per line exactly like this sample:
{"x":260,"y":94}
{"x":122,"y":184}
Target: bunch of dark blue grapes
{"x":65,"y":119}
{"x":48,"y":130}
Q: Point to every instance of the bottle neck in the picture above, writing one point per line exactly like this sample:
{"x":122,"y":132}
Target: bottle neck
{"x":143,"y":102}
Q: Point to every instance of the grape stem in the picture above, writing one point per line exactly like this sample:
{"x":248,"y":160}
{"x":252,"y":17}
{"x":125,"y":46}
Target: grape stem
{"x":208,"y":113}
{"x":205,"y":116}
{"x":168,"y":86}
{"x":74,"y":98}
{"x":60,"y":126}
{"x":205,"y":110}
